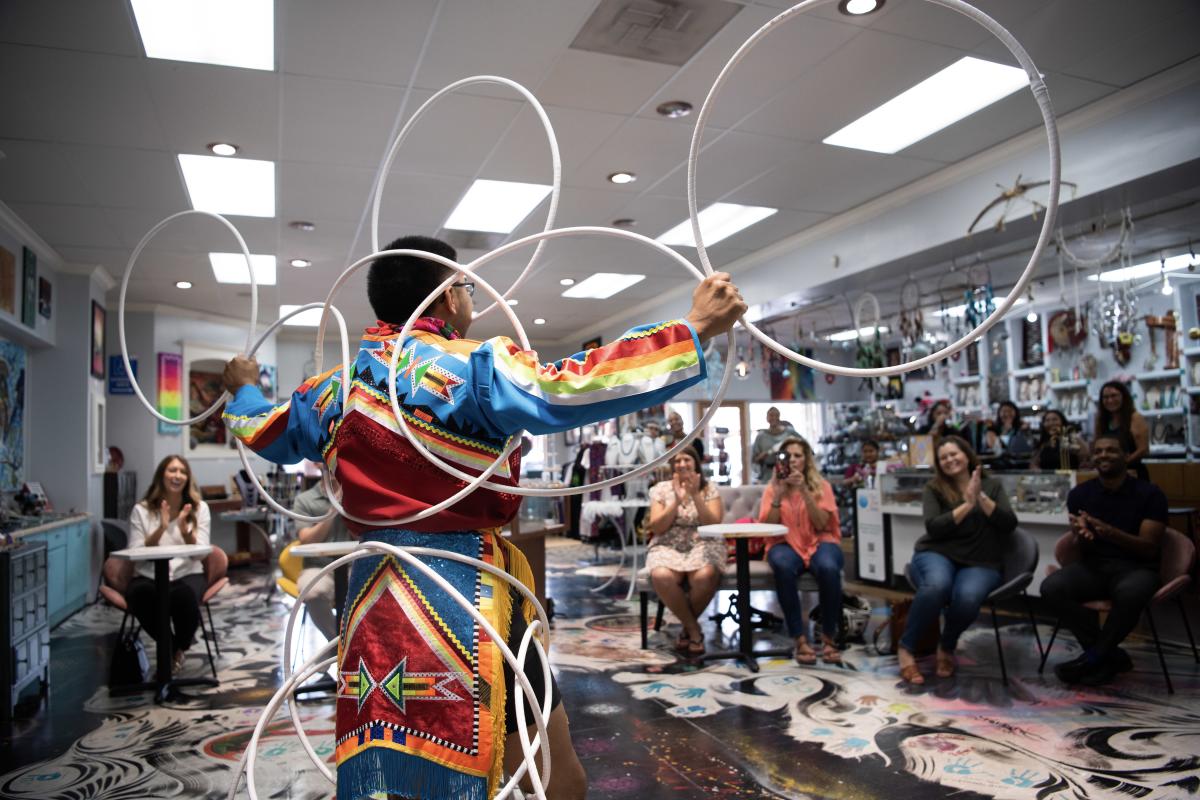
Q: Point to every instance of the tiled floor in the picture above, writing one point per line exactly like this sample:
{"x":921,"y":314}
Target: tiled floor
{"x":646,"y":725}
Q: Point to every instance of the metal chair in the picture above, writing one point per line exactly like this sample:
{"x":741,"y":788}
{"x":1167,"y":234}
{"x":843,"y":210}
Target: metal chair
{"x":1175,"y":566}
{"x":216,"y":564}
{"x":1020,"y":562}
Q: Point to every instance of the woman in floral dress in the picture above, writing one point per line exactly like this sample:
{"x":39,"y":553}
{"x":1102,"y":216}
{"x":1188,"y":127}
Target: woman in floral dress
{"x":684,"y":568}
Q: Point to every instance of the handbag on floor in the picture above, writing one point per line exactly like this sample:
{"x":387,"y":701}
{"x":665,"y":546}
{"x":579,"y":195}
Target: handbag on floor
{"x":129,"y":664}
{"x":887,"y":636}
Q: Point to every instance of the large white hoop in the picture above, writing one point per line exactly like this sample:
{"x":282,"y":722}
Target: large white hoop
{"x":555,"y":166}
{"x":1037,"y":86}
{"x":133,"y":257}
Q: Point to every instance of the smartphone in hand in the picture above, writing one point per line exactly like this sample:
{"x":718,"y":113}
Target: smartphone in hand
{"x":783,"y":466}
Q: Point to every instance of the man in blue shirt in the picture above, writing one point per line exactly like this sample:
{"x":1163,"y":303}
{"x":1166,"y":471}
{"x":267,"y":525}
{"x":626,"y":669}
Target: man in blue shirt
{"x":1118,"y":521}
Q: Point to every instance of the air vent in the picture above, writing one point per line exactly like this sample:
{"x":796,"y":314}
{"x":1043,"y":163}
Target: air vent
{"x":663,"y":31}
{"x":471,"y":240}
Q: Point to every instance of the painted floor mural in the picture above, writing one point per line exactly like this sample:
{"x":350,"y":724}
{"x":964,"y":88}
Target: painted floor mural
{"x":645,"y":724}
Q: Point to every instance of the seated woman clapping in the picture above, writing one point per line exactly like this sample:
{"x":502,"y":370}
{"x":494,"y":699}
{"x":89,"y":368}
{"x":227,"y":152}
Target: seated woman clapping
{"x":798,"y":497}
{"x":684,"y":568}
{"x":959,"y":561}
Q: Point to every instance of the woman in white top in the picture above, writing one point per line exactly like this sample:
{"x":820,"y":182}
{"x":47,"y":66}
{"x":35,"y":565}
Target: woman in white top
{"x":171,"y":513}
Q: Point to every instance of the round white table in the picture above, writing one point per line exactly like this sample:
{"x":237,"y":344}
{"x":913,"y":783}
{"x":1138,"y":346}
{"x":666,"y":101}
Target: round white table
{"x":167,"y":686}
{"x":741,"y":533}
{"x":324,"y":549}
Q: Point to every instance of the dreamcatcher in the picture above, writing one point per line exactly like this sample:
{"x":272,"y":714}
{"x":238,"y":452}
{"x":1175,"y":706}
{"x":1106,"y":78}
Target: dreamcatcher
{"x":978,"y":296}
{"x":950,"y":286}
{"x":1115,"y":321}
{"x":1120,"y":250}
{"x":912,"y":321}
{"x":1019,"y":196}
{"x":870,"y":348}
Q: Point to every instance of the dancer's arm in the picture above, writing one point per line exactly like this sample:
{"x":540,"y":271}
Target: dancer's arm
{"x":289,"y":432}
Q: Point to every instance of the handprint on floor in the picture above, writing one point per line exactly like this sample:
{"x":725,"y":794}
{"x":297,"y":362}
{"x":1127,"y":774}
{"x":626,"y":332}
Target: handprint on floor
{"x":962,"y":766}
{"x":1023,"y":781}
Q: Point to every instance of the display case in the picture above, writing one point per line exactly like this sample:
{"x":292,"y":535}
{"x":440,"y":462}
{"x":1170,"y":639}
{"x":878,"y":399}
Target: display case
{"x":1030,"y":493}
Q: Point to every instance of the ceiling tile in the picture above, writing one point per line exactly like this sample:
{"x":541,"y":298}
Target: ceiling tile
{"x":524,"y":154}
{"x":126,"y":178}
{"x":69,"y":226}
{"x":356,"y":40}
{"x":36,"y":172}
{"x":596,"y":82}
{"x":97,"y":26}
{"x":63,"y":96}
{"x":338,"y":122}
{"x":650,"y":148}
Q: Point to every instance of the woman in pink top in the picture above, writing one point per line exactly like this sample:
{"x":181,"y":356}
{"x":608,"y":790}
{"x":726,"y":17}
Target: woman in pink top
{"x":798,"y":497}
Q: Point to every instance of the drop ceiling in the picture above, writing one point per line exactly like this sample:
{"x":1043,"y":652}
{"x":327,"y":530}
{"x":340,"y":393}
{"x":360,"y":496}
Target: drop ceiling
{"x":91,"y":128}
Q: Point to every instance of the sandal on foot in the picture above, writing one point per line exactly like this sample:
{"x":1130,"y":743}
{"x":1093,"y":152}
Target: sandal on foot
{"x":804,"y":654}
{"x":695,"y":647}
{"x":830,"y":653}
{"x":683,"y":643}
{"x":946,"y":665}
{"x":911,"y":674}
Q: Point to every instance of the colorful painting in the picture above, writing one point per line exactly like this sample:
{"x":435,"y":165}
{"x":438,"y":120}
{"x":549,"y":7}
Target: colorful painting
{"x":170,"y":391}
{"x":12,"y":416}
{"x":97,"y":340}
{"x":204,"y":388}
{"x":8,"y":282}
{"x":29,"y":288}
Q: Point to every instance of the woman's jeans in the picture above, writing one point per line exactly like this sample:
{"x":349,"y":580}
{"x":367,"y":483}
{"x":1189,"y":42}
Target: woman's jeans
{"x":826,"y":567}
{"x":941,"y":583}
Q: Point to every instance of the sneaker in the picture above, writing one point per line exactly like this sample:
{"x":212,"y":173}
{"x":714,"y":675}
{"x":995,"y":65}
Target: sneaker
{"x":1121,"y":661}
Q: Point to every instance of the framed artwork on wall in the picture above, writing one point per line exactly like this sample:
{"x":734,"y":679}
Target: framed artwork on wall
{"x":29,"y":288}
{"x":45,"y":306}
{"x":99,"y":447}
{"x":8,"y":282}
{"x":170,"y":391}
{"x":97,"y":340}
{"x":973,"y":358}
{"x":12,"y":415}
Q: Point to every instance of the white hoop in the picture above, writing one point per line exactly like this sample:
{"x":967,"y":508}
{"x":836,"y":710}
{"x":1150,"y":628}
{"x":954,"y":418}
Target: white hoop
{"x":133,"y":257}
{"x":555,"y":165}
{"x":1037,"y":86}
{"x":865,"y":299}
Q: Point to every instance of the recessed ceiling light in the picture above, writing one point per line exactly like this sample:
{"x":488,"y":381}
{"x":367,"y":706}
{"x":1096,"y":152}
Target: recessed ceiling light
{"x":567,"y":281}
{"x":302,"y":225}
{"x":539,"y":321}
{"x":232,"y":33}
{"x":845,"y":336}
{"x":513,"y":301}
{"x":308,"y":319}
{"x":231,"y":268}
{"x":603,"y":285}
{"x":939,"y":101}
{"x":857,"y":8}
{"x":240,"y":187}
{"x":223,"y":148}
{"x":183,"y":284}
{"x":622,"y":177}
{"x":496,"y":206}
{"x":300,"y":263}
{"x":674,"y":109}
{"x":718,"y":222}
{"x":1143,"y":270}
{"x":624,"y":222}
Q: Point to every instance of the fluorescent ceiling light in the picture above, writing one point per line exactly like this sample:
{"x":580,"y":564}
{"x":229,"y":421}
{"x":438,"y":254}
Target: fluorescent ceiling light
{"x":717,"y":222}
{"x":308,"y":319}
{"x":603,"y":285}
{"x":236,"y":186}
{"x":961,"y":311}
{"x":846,"y":336}
{"x":232,"y":33}
{"x":496,"y":206}
{"x":231,"y":268}
{"x":1143,"y":270}
{"x":940,"y":100}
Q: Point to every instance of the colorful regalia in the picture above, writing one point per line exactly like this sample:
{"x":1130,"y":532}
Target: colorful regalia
{"x":421,"y":694}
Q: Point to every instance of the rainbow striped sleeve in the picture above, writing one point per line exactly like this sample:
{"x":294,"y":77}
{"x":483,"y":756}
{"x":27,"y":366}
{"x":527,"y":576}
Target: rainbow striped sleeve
{"x":291,"y":431}
{"x":646,"y":366}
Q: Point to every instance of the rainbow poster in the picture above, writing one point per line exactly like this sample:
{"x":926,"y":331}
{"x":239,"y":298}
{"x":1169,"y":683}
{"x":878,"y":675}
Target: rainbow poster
{"x":170,"y":391}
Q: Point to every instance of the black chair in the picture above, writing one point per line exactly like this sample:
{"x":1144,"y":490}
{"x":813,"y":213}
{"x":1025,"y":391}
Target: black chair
{"x":1020,"y":562}
{"x":116,"y":537}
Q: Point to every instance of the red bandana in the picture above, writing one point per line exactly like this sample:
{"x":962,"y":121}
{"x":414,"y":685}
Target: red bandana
{"x":430,"y":324}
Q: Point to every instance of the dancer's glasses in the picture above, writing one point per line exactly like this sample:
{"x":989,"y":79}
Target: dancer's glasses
{"x":468,"y":285}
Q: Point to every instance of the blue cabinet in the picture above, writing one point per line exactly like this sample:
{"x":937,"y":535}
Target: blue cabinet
{"x":68,"y":565}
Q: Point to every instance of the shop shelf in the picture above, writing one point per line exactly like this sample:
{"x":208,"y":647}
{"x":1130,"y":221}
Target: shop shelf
{"x":1063,"y":386}
{"x":1160,"y":375}
{"x":1161,"y":412}
{"x":1028,"y":372}
{"x":966,"y":380}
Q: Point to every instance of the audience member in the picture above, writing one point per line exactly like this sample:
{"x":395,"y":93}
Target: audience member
{"x":1118,"y":415}
{"x":1118,"y":522}
{"x":767,"y":443}
{"x":1059,"y":444}
{"x":171,"y":513}
{"x":863,"y":472}
{"x":314,"y":503}
{"x":798,"y":497}
{"x":1006,"y":440}
{"x":958,"y":562}
{"x":685,"y":568}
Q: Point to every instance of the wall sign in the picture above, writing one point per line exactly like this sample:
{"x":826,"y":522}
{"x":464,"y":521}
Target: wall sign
{"x":118,"y":381}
